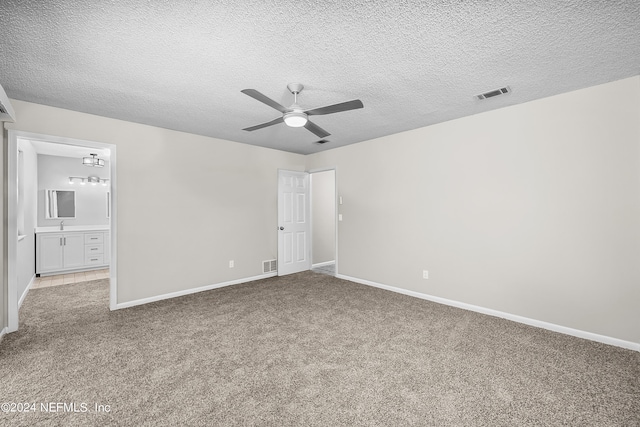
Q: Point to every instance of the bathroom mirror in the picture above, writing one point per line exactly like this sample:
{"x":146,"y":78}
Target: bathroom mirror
{"x":60,"y":204}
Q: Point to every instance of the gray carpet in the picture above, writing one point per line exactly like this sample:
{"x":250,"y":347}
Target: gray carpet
{"x":304,"y":350}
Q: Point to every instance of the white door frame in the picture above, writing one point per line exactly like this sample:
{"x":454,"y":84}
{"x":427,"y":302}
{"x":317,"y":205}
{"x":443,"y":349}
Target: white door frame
{"x":337,"y":207}
{"x":12,"y":220}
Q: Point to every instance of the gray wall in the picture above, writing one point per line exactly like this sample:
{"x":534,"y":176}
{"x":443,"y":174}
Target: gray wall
{"x":532,"y":210}
{"x":26,"y":247}
{"x":186,"y":204}
{"x":91,"y":200}
{"x":323,"y":216}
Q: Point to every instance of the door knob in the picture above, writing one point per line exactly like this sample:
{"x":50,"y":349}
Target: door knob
{"x":281,"y":228}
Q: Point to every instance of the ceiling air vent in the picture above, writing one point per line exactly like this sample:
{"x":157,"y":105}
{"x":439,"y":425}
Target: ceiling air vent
{"x":322,"y":141}
{"x":495,"y":92}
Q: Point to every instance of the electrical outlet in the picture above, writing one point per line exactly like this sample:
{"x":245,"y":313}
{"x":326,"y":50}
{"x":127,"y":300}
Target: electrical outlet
{"x":425,"y":274}
{"x":231,"y":264}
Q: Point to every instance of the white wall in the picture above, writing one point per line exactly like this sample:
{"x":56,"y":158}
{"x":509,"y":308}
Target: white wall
{"x":532,"y":210}
{"x":323,"y":216}
{"x":91,"y":200}
{"x":26,"y":247}
{"x":186,"y":204}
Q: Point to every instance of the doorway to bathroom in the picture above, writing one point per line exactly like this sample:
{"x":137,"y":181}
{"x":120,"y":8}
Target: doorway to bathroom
{"x":61,"y":215}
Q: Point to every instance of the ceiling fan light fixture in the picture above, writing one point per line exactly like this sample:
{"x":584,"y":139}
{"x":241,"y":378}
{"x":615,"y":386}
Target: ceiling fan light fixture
{"x":295,"y":119}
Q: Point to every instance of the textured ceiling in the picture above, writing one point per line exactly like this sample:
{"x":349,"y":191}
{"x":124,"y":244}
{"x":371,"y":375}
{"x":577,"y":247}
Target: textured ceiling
{"x":181,"y":64}
{"x":65,"y":150}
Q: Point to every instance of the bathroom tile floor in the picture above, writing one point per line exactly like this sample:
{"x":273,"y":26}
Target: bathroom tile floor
{"x":66,"y":279}
{"x":329,"y":269}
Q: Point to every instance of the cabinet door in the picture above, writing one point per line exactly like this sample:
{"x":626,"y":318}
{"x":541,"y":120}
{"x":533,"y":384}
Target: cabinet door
{"x":73,"y":250}
{"x":49,"y":252}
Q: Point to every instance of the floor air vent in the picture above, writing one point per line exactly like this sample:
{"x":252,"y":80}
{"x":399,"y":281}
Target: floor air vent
{"x":492,"y":93}
{"x":269,"y":266}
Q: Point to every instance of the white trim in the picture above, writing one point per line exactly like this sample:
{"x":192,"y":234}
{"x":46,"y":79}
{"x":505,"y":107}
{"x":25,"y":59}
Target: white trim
{"x":513,"y":317}
{"x":322,"y":264}
{"x":3,"y":332}
{"x":113,"y":231}
{"x":335,"y":221}
{"x":12,"y":231}
{"x":26,"y":291}
{"x":192,"y":291}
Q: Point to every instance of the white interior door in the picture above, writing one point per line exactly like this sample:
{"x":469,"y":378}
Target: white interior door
{"x":294,"y":227}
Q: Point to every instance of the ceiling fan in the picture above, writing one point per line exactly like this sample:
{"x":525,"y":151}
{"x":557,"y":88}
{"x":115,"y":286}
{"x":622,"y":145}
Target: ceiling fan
{"x":294,"y":115}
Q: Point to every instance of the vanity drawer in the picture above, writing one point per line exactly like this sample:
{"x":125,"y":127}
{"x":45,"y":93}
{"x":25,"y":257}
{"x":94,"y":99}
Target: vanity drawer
{"x":93,"y":250}
{"x":94,"y":259}
{"x":91,"y":238}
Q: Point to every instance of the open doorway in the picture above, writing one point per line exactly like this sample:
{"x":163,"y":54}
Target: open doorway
{"x":53,"y":202}
{"x":323,"y":222}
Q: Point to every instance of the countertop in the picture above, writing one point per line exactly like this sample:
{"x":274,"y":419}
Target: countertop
{"x":70,"y":228}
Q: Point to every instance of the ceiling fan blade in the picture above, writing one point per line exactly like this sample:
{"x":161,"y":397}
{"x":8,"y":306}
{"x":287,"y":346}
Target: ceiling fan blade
{"x":336,"y":108}
{"x":316,"y":129}
{"x":264,"y":99}
{"x":264,"y":125}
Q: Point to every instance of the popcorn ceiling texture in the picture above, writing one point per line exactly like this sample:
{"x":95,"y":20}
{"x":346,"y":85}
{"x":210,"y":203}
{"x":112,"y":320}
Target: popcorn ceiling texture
{"x":181,"y":65}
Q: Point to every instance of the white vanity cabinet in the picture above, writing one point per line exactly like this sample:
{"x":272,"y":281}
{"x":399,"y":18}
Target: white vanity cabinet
{"x":60,"y":251}
{"x":65,"y":252}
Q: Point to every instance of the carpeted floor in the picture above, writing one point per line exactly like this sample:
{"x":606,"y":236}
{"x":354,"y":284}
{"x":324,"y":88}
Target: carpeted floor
{"x":303,"y":350}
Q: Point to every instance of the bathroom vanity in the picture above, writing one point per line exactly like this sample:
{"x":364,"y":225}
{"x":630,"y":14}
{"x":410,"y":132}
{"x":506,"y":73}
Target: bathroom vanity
{"x":74,"y":249}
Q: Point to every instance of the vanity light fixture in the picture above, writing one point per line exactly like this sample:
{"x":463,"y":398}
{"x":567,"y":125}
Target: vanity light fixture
{"x":93,"y":180}
{"x":93,"y":161}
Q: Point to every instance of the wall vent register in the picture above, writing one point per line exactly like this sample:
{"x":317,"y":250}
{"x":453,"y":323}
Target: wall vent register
{"x":269,"y":266}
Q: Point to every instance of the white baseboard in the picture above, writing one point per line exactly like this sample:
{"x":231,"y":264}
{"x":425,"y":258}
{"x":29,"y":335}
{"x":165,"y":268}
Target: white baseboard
{"x":3,"y":332}
{"x":520,"y":319}
{"x":26,"y":291}
{"x":192,"y":291}
{"x":322,"y":264}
